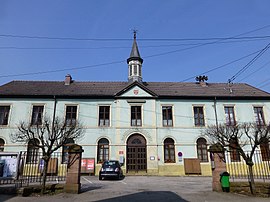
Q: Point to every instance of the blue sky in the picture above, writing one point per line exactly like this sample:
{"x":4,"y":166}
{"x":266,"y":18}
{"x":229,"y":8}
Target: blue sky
{"x":66,"y":27}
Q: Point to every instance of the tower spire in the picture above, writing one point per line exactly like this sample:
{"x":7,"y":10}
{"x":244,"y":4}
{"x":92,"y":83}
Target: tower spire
{"x":135,"y":61}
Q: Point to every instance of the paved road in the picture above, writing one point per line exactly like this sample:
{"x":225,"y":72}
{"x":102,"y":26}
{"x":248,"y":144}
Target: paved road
{"x":142,"y":188}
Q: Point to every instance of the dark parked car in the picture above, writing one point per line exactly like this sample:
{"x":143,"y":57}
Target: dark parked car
{"x":111,"y":169}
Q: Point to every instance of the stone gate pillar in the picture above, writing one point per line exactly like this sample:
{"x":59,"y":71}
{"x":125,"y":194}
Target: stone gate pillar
{"x":218,"y":165}
{"x":73,"y":180}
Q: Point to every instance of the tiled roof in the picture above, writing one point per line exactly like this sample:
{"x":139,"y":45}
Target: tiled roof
{"x":110,"y":89}
{"x":209,"y":90}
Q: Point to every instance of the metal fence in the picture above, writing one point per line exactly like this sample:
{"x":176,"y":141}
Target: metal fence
{"x":238,"y":169}
{"x":31,"y":166}
{"x":27,"y":167}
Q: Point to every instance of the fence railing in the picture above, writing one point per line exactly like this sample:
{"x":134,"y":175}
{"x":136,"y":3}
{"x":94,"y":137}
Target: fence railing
{"x":31,"y":166}
{"x":238,"y":169}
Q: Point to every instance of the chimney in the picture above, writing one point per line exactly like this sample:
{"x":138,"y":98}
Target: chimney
{"x":203,"y":83}
{"x":68,"y":80}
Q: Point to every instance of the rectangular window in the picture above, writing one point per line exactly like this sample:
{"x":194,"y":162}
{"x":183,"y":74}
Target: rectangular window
{"x":198,"y":116}
{"x":37,"y":114}
{"x":4,"y":113}
{"x":104,"y":116}
{"x":71,"y":115}
{"x":229,"y":115}
{"x":167,"y":117}
{"x":136,"y":116}
{"x":258,"y":111}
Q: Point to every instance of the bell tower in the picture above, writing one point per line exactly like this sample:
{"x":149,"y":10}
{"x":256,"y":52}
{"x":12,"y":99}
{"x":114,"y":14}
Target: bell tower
{"x":134,"y":62}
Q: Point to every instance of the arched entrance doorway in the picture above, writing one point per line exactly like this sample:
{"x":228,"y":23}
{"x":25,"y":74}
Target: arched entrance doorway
{"x":136,"y":154}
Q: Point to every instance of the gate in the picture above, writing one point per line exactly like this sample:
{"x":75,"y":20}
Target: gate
{"x":136,"y":154}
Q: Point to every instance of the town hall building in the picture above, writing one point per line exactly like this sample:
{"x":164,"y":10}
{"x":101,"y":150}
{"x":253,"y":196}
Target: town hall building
{"x":153,"y":128}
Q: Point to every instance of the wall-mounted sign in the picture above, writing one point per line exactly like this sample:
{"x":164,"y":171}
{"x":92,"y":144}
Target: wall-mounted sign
{"x":88,"y":165}
{"x":121,"y":152}
{"x":180,"y":156}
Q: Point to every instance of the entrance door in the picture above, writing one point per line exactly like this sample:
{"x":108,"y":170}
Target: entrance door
{"x":136,"y":154}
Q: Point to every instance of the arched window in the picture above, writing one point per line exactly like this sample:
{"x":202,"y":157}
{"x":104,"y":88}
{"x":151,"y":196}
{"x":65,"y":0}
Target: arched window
{"x":2,"y":144}
{"x":234,"y":153}
{"x":32,"y":151}
{"x":169,"y":152}
{"x":65,"y":150}
{"x":103,"y":150}
{"x":265,"y":151}
{"x":202,"y":150}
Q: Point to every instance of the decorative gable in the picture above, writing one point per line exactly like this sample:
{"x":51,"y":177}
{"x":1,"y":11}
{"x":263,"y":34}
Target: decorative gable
{"x":136,"y":89}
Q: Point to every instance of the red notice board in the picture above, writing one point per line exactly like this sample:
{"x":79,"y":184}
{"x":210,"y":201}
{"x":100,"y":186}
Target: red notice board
{"x":88,"y":165}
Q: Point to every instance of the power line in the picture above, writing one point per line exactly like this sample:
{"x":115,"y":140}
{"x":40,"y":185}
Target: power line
{"x":149,"y":39}
{"x":121,"y":61}
{"x":118,"y":47}
{"x":249,"y":63}
{"x":125,"y":39}
{"x":264,"y":84}
{"x":221,"y":66}
{"x":207,"y":43}
{"x":261,"y":83}
{"x":260,"y":68}
{"x":61,"y":70}
{"x":118,"y":62}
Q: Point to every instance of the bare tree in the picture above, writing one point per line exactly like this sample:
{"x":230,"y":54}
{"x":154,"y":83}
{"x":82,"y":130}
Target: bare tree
{"x":243,"y":138}
{"x":49,"y":137}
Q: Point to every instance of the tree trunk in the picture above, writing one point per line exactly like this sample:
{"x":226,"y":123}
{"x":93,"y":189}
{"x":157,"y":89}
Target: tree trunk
{"x":251,"y":180}
{"x":44,"y":175}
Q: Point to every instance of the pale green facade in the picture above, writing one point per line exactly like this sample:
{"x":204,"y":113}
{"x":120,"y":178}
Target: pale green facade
{"x":183,"y":130}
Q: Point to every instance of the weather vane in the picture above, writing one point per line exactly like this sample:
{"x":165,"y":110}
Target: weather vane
{"x":134,"y":33}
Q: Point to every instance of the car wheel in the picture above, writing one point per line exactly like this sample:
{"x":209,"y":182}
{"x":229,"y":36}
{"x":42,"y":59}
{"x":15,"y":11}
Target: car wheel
{"x":99,"y":177}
